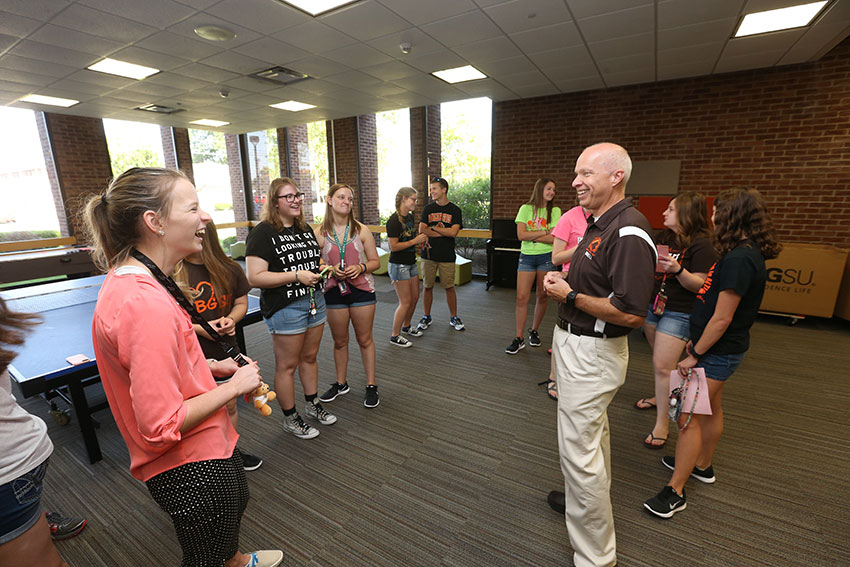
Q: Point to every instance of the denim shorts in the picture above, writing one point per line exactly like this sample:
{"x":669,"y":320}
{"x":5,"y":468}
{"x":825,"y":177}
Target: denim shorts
{"x":20,"y":503}
{"x":357,"y":298}
{"x":535,"y":263}
{"x":721,"y":366}
{"x":295,"y":318}
{"x":402,"y":272}
{"x":673,"y":323}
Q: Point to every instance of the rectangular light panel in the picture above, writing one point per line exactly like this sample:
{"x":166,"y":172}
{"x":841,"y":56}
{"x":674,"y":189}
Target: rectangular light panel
{"x":779,"y":19}
{"x":123,"y":69}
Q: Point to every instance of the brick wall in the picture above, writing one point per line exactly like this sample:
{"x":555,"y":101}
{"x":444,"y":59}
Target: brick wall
{"x":52,"y":177}
{"x":347,"y":137}
{"x":176,"y":149}
{"x":81,"y":159}
{"x":297,"y":164}
{"x":784,"y":131}
{"x":237,"y":183}
{"x":422,"y":147}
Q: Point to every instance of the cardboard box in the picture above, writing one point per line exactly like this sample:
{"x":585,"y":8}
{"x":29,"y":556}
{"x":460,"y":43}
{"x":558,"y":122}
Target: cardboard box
{"x":842,"y":304}
{"x":804,"y":280}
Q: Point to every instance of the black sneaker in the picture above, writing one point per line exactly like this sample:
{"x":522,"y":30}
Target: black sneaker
{"x":412,"y":331}
{"x":371,"y":400}
{"x":705,"y":475}
{"x":516,"y":345}
{"x":250,"y":462}
{"x":424,"y":322}
{"x":335,"y":390}
{"x":400,"y":341}
{"x":533,"y":338}
{"x":666,"y":503}
{"x":62,"y":527}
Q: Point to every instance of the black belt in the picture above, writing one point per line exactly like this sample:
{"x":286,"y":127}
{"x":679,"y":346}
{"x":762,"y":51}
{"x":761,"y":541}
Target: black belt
{"x":570,"y":328}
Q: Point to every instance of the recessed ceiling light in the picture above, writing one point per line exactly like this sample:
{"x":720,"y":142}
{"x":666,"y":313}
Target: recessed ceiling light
{"x":459,"y":74}
{"x":780,"y":19}
{"x":214,"y":33}
{"x":316,"y":7}
{"x":293,"y":105}
{"x":123,"y":69}
{"x":208,"y":122}
{"x":51,"y":100}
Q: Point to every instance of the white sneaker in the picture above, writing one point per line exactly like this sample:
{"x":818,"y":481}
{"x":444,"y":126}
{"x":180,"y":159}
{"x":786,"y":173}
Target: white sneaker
{"x":265,"y":558}
{"x":316,"y":411}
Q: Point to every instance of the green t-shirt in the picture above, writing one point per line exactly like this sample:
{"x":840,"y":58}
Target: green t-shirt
{"x":532,"y":221}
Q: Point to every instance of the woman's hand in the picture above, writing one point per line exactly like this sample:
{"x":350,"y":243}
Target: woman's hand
{"x":669,"y":264}
{"x":352,"y":272}
{"x":420,"y":239}
{"x":306,"y":277}
{"x":224,"y":326}
{"x":688,"y":363}
{"x":246,"y":379}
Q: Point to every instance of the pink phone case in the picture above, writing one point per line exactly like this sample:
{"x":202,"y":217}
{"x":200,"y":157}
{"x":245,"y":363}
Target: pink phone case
{"x":663,"y":250}
{"x":77,"y":359}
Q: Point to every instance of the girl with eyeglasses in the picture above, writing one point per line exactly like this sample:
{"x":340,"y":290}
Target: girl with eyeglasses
{"x":283,"y":259}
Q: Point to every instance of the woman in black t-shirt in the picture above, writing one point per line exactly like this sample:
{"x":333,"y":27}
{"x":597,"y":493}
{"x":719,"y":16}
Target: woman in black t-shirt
{"x":723,"y":313}
{"x":678,"y":277}
{"x":283,"y":259}
{"x":403,"y":238}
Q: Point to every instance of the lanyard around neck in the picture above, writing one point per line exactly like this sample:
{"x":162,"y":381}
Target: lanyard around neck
{"x":341,"y":247}
{"x":231,"y":350}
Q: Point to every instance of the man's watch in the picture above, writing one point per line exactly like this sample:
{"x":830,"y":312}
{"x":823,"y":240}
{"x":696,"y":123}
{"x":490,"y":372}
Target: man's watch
{"x":571,"y":298}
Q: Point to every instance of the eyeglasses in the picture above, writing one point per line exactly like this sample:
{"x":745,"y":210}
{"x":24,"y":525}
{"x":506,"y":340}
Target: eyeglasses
{"x":292,"y":197}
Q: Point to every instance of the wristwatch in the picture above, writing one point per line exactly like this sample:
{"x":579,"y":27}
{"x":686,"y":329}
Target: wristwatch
{"x":571,"y":298}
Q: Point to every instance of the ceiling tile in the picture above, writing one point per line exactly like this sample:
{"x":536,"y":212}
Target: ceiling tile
{"x":488,"y":50}
{"x":272,"y":51}
{"x":205,"y":72}
{"x":316,"y":66}
{"x":77,"y":86}
{"x":622,"y":46}
{"x":522,"y":15}
{"x":548,"y":38}
{"x":618,"y":24}
{"x":691,"y":54}
{"x":250,"y":84}
{"x":235,"y":62}
{"x":102,"y":24}
{"x":187,"y":27}
{"x":177,"y":80}
{"x":315,"y":37}
{"x":18,"y":26}
{"x":353,"y":79}
{"x":389,"y":70}
{"x":426,"y":85}
{"x":385,"y":89}
{"x":264,"y":16}
{"x":564,"y":57}
{"x":365,"y":20}
{"x":357,"y":56}
{"x":695,"y":34}
{"x":465,"y":28}
{"x":811,"y":45}
{"x":727,"y":63}
{"x":487,"y":87}
{"x":419,"y":41}
{"x":16,"y":63}
{"x":38,"y":9}
{"x":629,"y":77}
{"x":436,"y":61}
{"x":53,"y":54}
{"x":101,"y":79}
{"x":677,"y":13}
{"x":157,"y":13}
{"x":775,"y":41}
{"x":589,"y":8}
{"x":536,"y":90}
{"x":6,"y":41}
{"x":682,"y":70}
{"x":152,"y":89}
{"x":172,"y":43}
{"x":418,"y":12}
{"x":148,"y":58}
{"x":497,"y":69}
{"x":623,"y":64}
{"x":524,"y":79}
{"x":26,"y":78}
{"x":72,"y":39}
{"x":566,"y":73}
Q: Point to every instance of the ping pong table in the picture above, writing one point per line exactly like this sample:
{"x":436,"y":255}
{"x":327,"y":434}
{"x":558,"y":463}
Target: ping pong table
{"x":72,"y":261}
{"x":67,"y":308}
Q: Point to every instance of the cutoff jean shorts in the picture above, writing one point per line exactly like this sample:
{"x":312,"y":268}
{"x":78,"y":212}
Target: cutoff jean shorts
{"x":20,"y":503}
{"x":295,"y":318}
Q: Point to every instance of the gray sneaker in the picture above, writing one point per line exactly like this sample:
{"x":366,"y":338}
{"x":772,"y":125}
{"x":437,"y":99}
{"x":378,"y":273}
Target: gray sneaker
{"x":319,"y":413}
{"x":295,"y":425}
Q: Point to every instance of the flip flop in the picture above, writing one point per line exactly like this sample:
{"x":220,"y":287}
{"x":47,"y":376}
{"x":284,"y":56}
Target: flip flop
{"x":552,"y":390}
{"x":650,"y":445}
{"x":646,"y":404}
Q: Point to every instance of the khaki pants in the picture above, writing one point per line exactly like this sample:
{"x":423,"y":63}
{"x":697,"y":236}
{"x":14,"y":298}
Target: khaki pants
{"x":588,"y":371}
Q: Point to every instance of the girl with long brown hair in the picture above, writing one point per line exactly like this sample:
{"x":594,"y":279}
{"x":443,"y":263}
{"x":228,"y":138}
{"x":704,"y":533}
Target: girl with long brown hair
{"x":723,"y":313}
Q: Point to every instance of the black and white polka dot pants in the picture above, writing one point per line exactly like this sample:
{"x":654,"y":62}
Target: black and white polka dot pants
{"x":206,"y":501}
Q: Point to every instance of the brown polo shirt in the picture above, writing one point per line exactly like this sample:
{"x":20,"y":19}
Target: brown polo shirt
{"x":616,"y":258}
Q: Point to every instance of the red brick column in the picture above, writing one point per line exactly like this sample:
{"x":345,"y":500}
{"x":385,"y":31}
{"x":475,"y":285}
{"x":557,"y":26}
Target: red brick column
{"x":176,"y":149}
{"x":237,"y":184}
{"x":81,"y":160}
{"x":425,"y":150}
{"x":353,"y":159}
{"x":50,"y":167}
{"x":296,"y":164}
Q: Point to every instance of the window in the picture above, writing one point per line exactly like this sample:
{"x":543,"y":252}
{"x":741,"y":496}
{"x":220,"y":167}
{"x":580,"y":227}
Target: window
{"x":317,"y":140}
{"x":212,"y":177}
{"x":263,"y":164}
{"x":28,"y":209}
{"x":393,"y":133}
{"x":133,"y":144}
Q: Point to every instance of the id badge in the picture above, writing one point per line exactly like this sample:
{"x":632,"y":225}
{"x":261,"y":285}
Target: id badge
{"x":659,"y":304}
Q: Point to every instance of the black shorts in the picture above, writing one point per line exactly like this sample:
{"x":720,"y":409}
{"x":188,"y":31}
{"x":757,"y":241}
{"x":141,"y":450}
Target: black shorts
{"x":357,"y":298}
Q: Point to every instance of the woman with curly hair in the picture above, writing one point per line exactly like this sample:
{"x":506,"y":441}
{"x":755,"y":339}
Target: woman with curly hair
{"x":723,"y":313}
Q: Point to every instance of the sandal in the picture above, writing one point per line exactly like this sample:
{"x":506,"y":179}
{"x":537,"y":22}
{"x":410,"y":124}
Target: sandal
{"x":650,"y":444}
{"x":551,"y":389}
{"x":644,"y":404}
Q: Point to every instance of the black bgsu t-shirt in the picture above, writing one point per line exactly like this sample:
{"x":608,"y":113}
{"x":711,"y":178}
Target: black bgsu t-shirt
{"x":287,"y":251}
{"x":698,"y":257}
{"x":404,"y":232}
{"x":441,"y":249}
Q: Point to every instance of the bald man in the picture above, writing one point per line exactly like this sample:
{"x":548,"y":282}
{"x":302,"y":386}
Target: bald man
{"x":603,"y":297}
